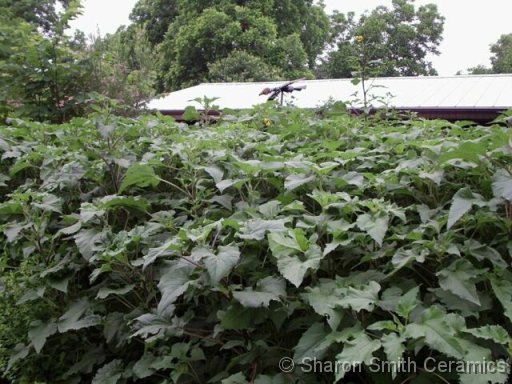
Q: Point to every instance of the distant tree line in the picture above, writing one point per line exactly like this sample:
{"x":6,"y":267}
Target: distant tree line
{"x":48,"y":75}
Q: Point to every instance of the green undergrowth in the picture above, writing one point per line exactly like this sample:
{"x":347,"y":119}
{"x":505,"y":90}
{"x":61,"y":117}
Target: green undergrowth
{"x":144,"y":251}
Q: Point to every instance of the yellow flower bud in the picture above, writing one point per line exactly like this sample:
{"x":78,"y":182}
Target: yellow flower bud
{"x":267,"y":122}
{"x":359,"y":39}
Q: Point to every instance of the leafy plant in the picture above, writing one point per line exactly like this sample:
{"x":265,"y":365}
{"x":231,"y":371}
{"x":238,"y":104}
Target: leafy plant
{"x":138,"y":250}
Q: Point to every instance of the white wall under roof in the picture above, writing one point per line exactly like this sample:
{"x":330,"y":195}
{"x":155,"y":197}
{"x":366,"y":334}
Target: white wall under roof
{"x":475,"y":91}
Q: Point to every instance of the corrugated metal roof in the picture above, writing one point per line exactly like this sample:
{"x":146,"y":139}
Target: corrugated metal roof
{"x":456,"y":92}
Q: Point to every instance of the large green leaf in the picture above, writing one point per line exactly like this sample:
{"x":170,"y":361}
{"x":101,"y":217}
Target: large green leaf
{"x":294,"y":181}
{"x":322,"y":299}
{"x":74,"y":319}
{"x":236,"y":317}
{"x":215,"y":172}
{"x":190,"y":113}
{"x":172,"y":285}
{"x":468,"y":151}
{"x":50,"y":203}
{"x":502,"y":287}
{"x":459,"y":278}
{"x":292,"y":260}
{"x":165,"y":249}
{"x":89,"y":242}
{"x":257,"y":228}
{"x":484,"y":252}
{"x":360,"y":298}
{"x":438,"y":331}
{"x":307,"y":346}
{"x":270,"y":209}
{"x":408,"y":302}
{"x":221,"y":264}
{"x":375,"y":225}
{"x":143,"y":367}
{"x":11,"y":208}
{"x":105,"y":292}
{"x":462,"y":202}
{"x":39,"y":332}
{"x":496,"y":333}
{"x":357,"y":351}
{"x":139,"y":175}
{"x":502,"y":184}
{"x":267,"y":290}
{"x":152,"y":327}
{"x":110,"y":373}
{"x":114,"y":202}
{"x":394,"y":348}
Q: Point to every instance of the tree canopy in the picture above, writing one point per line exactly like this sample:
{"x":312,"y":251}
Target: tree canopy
{"x":502,"y":54}
{"x":41,"y":68}
{"x":400,"y":38}
{"x":210,"y":40}
{"x":47,"y":75}
{"x":501,"y":57}
{"x":42,"y":13}
{"x":123,"y":66}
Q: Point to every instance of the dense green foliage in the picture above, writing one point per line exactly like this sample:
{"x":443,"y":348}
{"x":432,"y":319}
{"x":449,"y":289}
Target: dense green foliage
{"x":194,"y":44}
{"x":210,"y":40}
{"x":197,"y":38}
{"x":400,"y":38}
{"x":47,"y":75}
{"x":42,"y":13}
{"x":147,"y":251}
{"x":501,"y":58}
{"x":42,"y":74}
{"x":478,"y":70}
{"x":123,"y":67}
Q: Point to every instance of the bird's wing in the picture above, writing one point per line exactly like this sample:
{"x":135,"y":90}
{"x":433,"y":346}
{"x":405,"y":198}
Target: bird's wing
{"x":274,"y":94}
{"x":288,"y":83}
{"x":299,"y":87}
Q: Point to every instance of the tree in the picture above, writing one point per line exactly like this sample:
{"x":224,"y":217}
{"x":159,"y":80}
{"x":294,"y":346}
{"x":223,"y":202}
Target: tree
{"x":42,"y":76}
{"x":42,"y":13}
{"x":123,"y":66}
{"x":240,"y":66}
{"x":501,"y":59}
{"x":48,"y":76}
{"x":309,"y":21}
{"x":192,"y":44}
{"x":195,"y":35}
{"x":502,"y":54}
{"x":155,"y":16}
{"x":400,"y":38}
{"x":479,"y":70}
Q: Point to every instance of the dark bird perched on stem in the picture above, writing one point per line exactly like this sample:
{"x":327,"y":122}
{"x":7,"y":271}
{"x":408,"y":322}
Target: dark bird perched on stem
{"x":287,"y":87}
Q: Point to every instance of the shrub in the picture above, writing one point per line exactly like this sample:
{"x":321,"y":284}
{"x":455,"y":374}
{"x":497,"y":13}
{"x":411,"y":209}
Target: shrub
{"x":147,"y":252}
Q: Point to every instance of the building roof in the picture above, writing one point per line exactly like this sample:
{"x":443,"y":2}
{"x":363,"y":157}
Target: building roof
{"x":414,"y":93}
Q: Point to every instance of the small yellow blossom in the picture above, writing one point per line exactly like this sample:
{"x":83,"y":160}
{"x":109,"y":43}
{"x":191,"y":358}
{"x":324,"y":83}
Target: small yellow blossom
{"x":359,"y":39}
{"x":267,"y":122}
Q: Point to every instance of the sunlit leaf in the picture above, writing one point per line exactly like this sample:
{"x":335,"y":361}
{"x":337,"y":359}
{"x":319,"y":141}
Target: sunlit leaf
{"x":139,"y":175}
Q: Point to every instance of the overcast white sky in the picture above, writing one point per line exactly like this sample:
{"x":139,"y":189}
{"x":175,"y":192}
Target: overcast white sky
{"x":471,"y":26}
